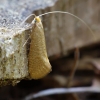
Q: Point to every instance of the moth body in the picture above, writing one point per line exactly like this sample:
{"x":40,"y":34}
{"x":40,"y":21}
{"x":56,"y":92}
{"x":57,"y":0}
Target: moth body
{"x":39,"y":65}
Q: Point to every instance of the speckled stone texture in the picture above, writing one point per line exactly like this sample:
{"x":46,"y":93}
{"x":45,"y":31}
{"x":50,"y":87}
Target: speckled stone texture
{"x":13,"y":35}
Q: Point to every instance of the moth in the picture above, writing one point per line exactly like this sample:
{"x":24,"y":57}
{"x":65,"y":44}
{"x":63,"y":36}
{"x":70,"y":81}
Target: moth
{"x":39,"y":65}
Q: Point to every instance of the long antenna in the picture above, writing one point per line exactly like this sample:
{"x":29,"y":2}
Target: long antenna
{"x":71,"y":15}
{"x":27,"y":19}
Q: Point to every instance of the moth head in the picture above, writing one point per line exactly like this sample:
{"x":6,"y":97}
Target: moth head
{"x":36,"y":20}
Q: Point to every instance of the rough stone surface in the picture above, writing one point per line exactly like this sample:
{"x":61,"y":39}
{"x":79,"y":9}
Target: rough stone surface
{"x":13,"y":58}
{"x":13,"y":38}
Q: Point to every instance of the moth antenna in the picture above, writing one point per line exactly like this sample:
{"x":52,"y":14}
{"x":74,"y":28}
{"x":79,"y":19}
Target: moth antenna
{"x":23,"y":24}
{"x":26,"y":41}
{"x":71,"y":15}
{"x":25,"y":20}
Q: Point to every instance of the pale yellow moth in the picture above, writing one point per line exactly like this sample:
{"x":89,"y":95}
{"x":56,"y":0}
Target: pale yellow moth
{"x":39,"y":65}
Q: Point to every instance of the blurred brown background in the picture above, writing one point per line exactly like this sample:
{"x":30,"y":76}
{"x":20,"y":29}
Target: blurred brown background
{"x":63,"y":34}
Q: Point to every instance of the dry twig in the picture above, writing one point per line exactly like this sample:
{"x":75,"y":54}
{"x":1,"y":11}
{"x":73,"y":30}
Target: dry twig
{"x":62,"y":91}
